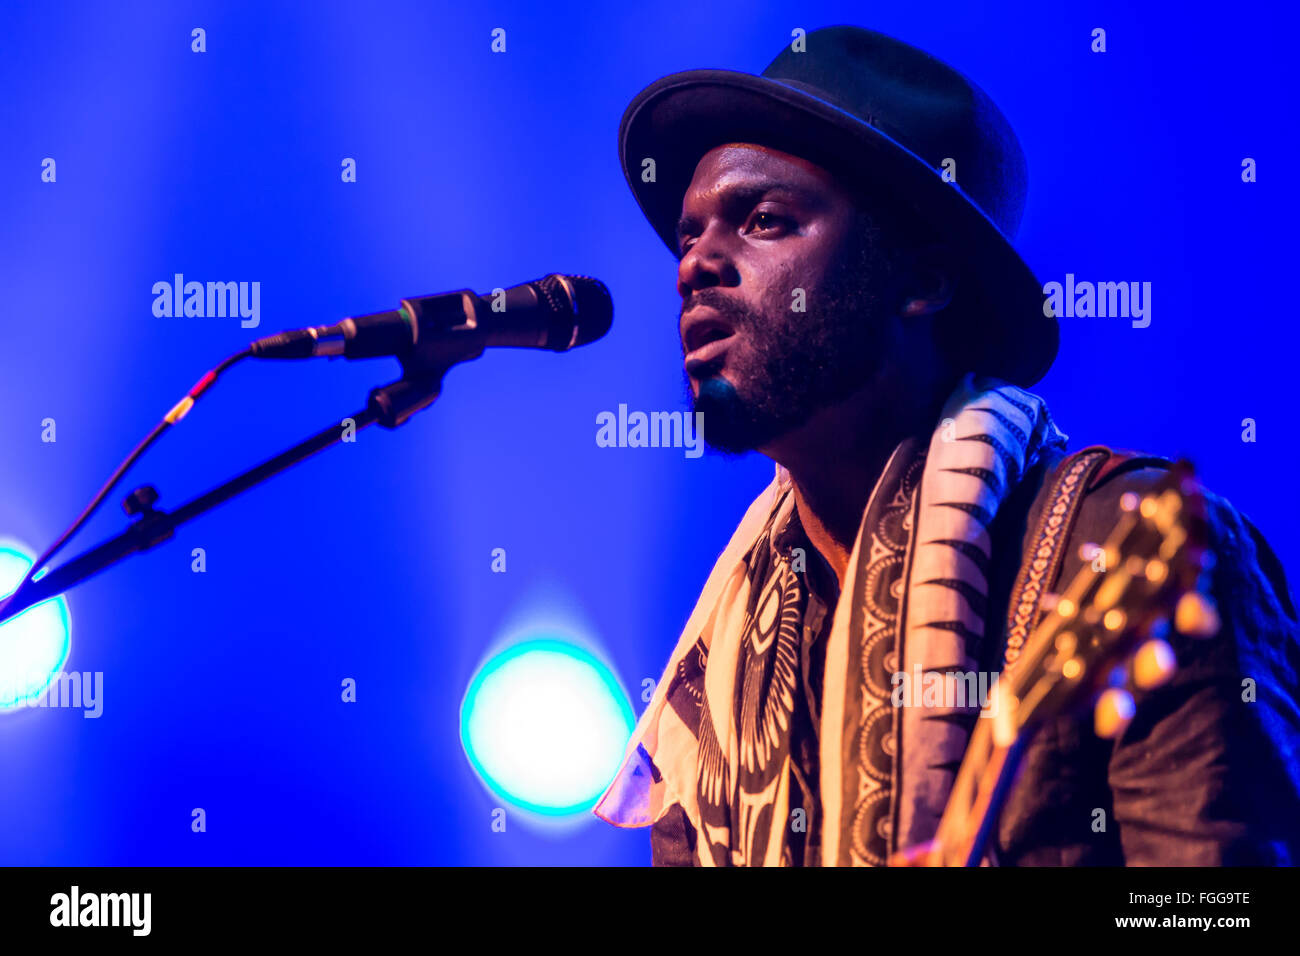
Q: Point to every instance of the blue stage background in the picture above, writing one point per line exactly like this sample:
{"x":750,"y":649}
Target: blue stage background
{"x":373,"y":560}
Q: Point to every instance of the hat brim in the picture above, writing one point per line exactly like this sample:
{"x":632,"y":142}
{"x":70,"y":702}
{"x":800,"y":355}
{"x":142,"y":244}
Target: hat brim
{"x":677,"y":119}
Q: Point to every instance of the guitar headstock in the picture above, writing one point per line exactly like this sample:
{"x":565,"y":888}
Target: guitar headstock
{"x":1106,"y":630}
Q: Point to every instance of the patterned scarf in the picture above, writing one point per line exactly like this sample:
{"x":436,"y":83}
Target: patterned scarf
{"x":715,"y":738}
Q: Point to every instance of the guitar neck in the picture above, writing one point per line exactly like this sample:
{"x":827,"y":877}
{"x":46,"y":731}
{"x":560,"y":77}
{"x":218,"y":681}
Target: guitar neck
{"x":978,"y":793}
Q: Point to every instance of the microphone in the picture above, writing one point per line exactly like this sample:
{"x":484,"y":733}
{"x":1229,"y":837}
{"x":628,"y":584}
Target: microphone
{"x":558,"y":312}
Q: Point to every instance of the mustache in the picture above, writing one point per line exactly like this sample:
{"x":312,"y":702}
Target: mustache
{"x":734,"y":312}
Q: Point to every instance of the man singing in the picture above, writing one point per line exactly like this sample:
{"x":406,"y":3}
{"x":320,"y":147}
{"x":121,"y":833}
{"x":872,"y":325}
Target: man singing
{"x":853,"y":308}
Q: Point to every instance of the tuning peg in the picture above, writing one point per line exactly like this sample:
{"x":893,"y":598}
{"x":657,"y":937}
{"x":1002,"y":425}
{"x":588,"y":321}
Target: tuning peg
{"x":1196,"y":615}
{"x":1153,"y":664}
{"x":1115,"y":708}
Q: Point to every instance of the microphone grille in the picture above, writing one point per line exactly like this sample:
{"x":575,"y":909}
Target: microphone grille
{"x":585,"y":301}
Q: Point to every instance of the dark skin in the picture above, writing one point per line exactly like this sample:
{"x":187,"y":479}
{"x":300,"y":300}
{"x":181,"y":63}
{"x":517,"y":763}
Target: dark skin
{"x":756,"y":221}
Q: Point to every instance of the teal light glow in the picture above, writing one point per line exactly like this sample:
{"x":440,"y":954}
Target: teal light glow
{"x":544,"y":725}
{"x":34,"y":645}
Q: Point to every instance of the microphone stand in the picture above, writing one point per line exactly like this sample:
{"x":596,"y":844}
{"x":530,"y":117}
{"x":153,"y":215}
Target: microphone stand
{"x":390,"y":405}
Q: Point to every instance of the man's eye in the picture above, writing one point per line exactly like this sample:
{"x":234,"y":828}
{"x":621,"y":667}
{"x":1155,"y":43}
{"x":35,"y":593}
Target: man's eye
{"x":767,"y":220}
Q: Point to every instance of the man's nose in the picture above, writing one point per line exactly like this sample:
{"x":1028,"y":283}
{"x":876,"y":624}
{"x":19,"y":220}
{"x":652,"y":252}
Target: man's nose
{"x":707,"y":263}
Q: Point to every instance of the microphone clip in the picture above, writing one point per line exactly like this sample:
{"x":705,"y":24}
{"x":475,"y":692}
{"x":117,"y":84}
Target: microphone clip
{"x":397,"y":401}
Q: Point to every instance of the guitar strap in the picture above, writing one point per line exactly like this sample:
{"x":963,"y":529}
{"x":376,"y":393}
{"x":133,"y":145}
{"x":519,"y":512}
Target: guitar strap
{"x":1069,"y":483}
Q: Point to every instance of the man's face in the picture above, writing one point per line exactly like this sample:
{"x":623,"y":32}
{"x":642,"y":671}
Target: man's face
{"x":759,"y":225}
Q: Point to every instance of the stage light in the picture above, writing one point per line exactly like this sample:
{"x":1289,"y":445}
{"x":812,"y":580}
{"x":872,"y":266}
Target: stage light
{"x":544,"y":724}
{"x":34,"y":645}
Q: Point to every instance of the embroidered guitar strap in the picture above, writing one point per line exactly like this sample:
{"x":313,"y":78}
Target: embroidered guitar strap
{"x":1043,"y":558}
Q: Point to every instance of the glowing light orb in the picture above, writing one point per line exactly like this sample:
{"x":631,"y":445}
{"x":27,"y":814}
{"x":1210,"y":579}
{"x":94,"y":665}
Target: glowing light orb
{"x":544,"y":724}
{"x":34,"y":645}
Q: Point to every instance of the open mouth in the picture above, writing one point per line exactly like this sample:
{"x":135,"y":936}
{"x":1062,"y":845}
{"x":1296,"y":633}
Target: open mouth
{"x":707,"y":356}
{"x":706,"y":338}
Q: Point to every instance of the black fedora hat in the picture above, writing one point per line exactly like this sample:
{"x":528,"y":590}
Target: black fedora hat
{"x":882,"y":115}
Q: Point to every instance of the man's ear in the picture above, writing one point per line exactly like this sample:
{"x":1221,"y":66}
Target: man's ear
{"x":933,"y":282}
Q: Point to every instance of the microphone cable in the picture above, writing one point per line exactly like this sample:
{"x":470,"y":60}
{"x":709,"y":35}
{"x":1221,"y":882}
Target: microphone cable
{"x":178,"y":411}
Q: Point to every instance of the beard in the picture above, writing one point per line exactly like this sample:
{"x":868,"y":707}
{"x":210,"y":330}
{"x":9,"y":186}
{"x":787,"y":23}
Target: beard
{"x":797,"y":363}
